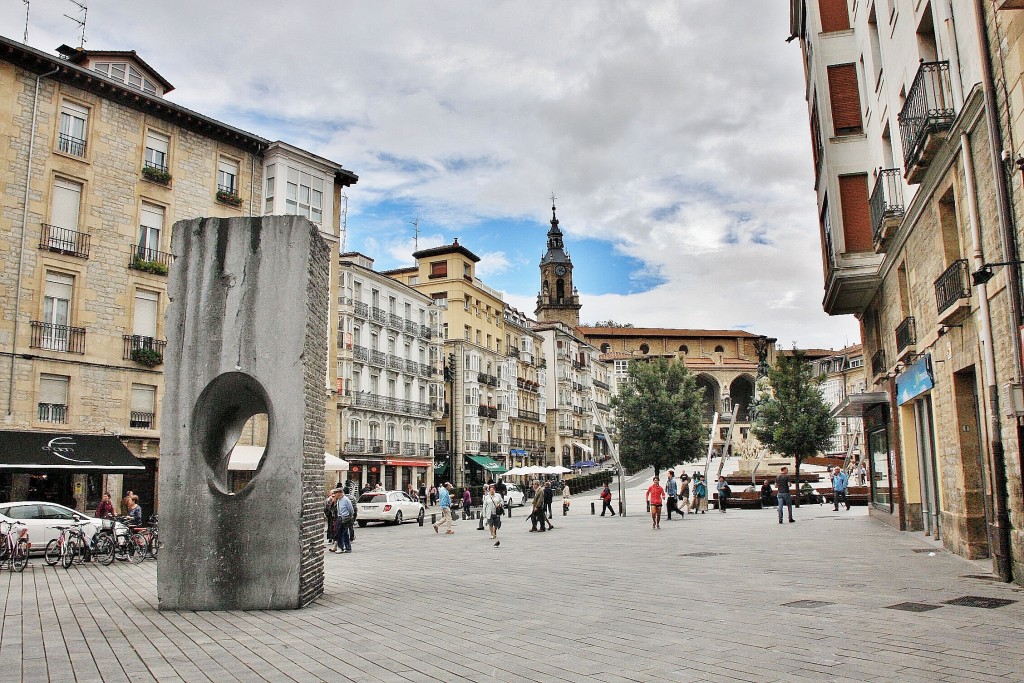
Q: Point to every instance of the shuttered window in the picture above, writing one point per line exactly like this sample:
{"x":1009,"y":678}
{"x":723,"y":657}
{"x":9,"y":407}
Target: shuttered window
{"x":844,"y":96}
{"x":143,"y":398}
{"x":834,"y":15}
{"x":145,"y":313}
{"x":853,"y":197}
{"x":53,"y":389}
{"x":67,"y":202}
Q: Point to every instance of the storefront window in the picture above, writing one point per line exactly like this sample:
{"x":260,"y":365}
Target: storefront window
{"x":881,"y":472}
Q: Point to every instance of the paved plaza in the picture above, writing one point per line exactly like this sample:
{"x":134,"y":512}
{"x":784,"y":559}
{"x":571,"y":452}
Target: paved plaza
{"x":717,"y":597}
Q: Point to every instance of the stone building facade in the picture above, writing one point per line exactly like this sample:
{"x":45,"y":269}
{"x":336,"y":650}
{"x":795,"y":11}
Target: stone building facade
{"x":528,"y":395}
{"x":98,"y":168}
{"x":908,"y":173}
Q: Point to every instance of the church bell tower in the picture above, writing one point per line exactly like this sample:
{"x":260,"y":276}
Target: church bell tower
{"x":558,"y":299}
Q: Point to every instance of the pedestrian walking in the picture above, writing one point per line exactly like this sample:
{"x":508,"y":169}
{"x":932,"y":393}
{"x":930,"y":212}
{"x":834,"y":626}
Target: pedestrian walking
{"x":549,"y":496}
{"x":723,"y":493}
{"x":433,"y":495}
{"x":655,"y":496}
{"x":862,"y":474}
{"x":782,"y":493}
{"x":423,"y":494}
{"x":539,"y":517}
{"x":839,"y":489}
{"x":445,"y":499}
{"x":700,"y":495}
{"x":331,"y":518}
{"x":105,"y":507}
{"x":684,"y":493}
{"x":493,"y":509}
{"x":606,"y":500}
{"x":467,"y":504}
{"x":346,"y":518}
{"x":566,"y":499}
{"x":672,"y":494}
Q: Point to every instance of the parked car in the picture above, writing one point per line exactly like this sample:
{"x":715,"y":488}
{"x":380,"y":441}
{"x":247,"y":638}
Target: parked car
{"x":390,"y":507}
{"x":514,"y":496}
{"x":42,"y":518}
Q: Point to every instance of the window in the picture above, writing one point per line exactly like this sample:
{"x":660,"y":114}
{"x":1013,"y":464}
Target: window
{"x":53,"y":398}
{"x":644,"y":348}
{"x":146,"y":304}
{"x":57,"y":311}
{"x":467,"y":333}
{"x":151,"y":223}
{"x":684,"y":349}
{"x":73,"y":120}
{"x":834,"y":16}
{"x":438,"y":269}
{"x":157,"y":146}
{"x":844,"y":96}
{"x":227,"y":176}
{"x":353,"y":429}
{"x":269,"y":194}
{"x":440,"y":299}
{"x":853,"y":200}
{"x":128,"y":74}
{"x":143,"y":407}
{"x":65,"y":210}
{"x":467,"y":271}
{"x":304,"y":195}
{"x":719,"y":349}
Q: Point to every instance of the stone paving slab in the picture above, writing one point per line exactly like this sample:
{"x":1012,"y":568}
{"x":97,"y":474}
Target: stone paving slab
{"x":597,"y":599}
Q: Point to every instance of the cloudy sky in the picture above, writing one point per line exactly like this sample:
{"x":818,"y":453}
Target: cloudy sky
{"x":674,"y":134}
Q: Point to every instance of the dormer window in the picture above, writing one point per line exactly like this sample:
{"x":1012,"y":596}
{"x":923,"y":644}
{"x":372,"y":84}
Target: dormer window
{"x":127,"y":74}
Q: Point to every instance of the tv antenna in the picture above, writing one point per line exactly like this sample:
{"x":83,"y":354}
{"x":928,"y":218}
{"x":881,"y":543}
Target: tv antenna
{"x":25,"y":39}
{"x":83,"y":10}
{"x":415,"y":223}
{"x":344,"y":220}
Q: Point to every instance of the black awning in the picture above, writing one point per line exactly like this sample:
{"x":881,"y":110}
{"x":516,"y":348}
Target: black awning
{"x":29,"y":451}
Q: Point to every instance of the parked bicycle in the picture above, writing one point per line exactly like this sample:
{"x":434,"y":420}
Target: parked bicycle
{"x":127,"y":544}
{"x":14,"y":547}
{"x":69,"y":547}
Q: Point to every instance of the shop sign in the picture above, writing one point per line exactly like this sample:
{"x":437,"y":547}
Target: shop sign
{"x":915,"y":379}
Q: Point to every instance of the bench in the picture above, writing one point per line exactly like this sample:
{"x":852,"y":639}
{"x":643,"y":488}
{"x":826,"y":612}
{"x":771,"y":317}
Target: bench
{"x":855,"y":495}
{"x":740,"y":499}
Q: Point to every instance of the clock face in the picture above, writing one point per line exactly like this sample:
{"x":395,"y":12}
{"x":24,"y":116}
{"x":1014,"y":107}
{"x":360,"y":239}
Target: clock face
{"x":559,"y":270}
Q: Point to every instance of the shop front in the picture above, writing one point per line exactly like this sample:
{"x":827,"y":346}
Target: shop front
{"x":399,"y":473}
{"x":883,"y":479}
{"x":70,"y":469}
{"x":482,"y":468}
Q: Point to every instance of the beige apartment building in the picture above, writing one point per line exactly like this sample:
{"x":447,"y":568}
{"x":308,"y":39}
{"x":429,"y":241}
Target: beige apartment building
{"x":912,"y":153}
{"x":97,"y":167}
{"x":528,"y":395}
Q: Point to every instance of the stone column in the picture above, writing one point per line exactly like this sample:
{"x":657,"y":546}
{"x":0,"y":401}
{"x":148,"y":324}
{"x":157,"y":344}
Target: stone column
{"x":247,"y":330}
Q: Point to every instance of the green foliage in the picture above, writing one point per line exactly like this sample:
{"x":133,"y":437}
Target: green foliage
{"x":148,"y":357}
{"x":157,"y":175}
{"x":658,"y":415}
{"x":229,"y":198}
{"x":145,"y":266}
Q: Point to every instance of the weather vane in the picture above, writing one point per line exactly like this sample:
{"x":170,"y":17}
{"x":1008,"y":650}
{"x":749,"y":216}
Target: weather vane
{"x":553,"y":198}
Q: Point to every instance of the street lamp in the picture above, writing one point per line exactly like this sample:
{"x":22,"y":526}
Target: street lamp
{"x":985,"y":273}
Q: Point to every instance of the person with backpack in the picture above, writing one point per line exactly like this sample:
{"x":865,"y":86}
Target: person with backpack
{"x":840,"y":485}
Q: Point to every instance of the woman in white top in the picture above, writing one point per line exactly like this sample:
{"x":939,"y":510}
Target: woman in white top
{"x":492,"y":512}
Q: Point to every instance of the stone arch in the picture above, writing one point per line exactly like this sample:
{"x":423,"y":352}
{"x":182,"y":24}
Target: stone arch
{"x":606,"y":347}
{"x":712,"y":394}
{"x":742,"y":391}
{"x":684,"y":349}
{"x":645,"y":349}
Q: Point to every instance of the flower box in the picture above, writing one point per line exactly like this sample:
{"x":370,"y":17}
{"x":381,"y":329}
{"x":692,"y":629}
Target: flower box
{"x":156,"y":175}
{"x":229,"y":198}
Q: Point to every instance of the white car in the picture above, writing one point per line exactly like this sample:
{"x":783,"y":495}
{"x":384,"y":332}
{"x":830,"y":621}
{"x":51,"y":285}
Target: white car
{"x":42,"y":518}
{"x":514,"y":496}
{"x":390,"y":507}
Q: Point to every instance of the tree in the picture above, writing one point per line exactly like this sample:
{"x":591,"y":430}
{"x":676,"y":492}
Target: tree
{"x":610,"y":323}
{"x":791,"y":416}
{"x":658,"y":415}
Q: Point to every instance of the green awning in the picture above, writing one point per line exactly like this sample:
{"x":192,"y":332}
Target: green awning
{"x":440,"y":467}
{"x":488,"y":464}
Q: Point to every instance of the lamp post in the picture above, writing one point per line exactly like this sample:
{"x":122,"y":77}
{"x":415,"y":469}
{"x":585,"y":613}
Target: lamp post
{"x":985,"y":273}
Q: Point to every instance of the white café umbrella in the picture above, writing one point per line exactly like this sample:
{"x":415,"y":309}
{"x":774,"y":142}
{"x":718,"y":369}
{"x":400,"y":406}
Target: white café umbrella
{"x":557,"y":469}
{"x":248,"y":458}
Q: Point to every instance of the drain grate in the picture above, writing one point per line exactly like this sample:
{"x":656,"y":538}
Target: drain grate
{"x":927,"y":550}
{"x":702,"y":554}
{"x":979,"y":601}
{"x":914,"y":607}
{"x":807,"y":604}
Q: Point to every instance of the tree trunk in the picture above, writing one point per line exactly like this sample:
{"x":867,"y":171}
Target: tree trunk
{"x":656,"y":470}
{"x":797,"y":477}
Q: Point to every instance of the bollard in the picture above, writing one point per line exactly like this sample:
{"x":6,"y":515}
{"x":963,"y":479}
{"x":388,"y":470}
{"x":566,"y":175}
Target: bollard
{"x":593,"y":509}
{"x":480,"y":527}
{"x":565,"y":510}
{"x":509,"y":508}
{"x":433,"y":518}
{"x":421,"y":518}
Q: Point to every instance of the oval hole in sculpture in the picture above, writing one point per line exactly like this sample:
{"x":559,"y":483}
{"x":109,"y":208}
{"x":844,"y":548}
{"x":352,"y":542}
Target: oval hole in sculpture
{"x":233,"y":407}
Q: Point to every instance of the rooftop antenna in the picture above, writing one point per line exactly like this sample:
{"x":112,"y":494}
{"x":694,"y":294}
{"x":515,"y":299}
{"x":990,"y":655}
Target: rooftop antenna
{"x":415,"y":223}
{"x":25,"y":40}
{"x":83,"y":9}
{"x":344,"y":221}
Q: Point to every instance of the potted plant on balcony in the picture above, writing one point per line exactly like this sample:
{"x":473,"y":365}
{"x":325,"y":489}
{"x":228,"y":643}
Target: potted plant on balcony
{"x":148,"y":357}
{"x":145,"y":266}
{"x":229,"y":197}
{"x":156,"y":175}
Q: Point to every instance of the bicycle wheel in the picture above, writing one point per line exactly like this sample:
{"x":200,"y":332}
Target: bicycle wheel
{"x":154,"y":545}
{"x":137,"y":543}
{"x":104,"y":551}
{"x":20,"y":556}
{"x":53,"y":552}
{"x":70,"y":552}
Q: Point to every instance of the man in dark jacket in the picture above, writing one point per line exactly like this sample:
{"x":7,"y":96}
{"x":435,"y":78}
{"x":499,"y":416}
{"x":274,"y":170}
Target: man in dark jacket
{"x":548,"y":497}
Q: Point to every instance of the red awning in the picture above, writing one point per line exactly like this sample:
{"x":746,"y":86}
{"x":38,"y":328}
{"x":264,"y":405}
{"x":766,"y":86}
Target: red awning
{"x":409,"y":463}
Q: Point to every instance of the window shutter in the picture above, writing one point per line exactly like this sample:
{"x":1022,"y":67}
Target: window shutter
{"x":145,"y":313}
{"x":67,"y":200}
{"x":143,"y":398}
{"x":53,"y":389}
{"x":844,"y":96}
{"x":59,"y":286}
{"x":853,"y":198}
{"x":152,"y":216}
{"x":834,"y":15}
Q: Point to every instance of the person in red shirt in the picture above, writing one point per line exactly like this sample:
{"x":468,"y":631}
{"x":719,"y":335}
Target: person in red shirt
{"x":105,"y":507}
{"x":655,"y":496}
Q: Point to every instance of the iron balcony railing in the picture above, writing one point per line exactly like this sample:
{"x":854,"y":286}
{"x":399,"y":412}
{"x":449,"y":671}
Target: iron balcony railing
{"x":150,"y":260}
{"x":603,"y":407}
{"x":395,"y":362}
{"x":529,"y":415}
{"x":513,"y":352}
{"x":906,"y":334}
{"x":578,"y":432}
{"x":426,"y":332}
{"x":927,"y":110}
{"x":53,"y":412}
{"x":411,"y":367}
{"x":390,"y":404}
{"x":601,"y":385}
{"x":378,"y":315}
{"x":408,"y":448}
{"x":156,"y":166}
{"x":392,"y":447}
{"x":886,"y":201}
{"x":952,"y":285}
{"x":355,"y":446}
{"x":361,"y":309}
{"x":440,"y":448}
{"x":411,"y":327}
{"x":395,"y":321}
{"x":69,"y":144}
{"x":227,"y":189}
{"x":481,"y":411}
{"x":375,"y":445}
{"x":422,"y":449}
{"x":142,"y":349}
{"x":878,"y":363}
{"x":378,"y":358}
{"x":361,"y":353}
{"x":425,"y":370}
{"x":52,"y":337}
{"x":141,"y":420}
{"x":64,"y":241}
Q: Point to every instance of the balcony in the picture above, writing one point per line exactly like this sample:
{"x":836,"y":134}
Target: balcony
{"x":529,"y":415}
{"x":64,"y":241}
{"x":140,"y":420}
{"x":926,"y":116}
{"x":375,"y":445}
{"x":411,"y":327}
{"x":68,"y":144}
{"x":361,"y":309}
{"x":953,"y":293}
{"x":378,"y":358}
{"x":56,"y":413}
{"x":851,"y":282}
{"x":355,"y":446}
{"x":426,"y":332}
{"x":395,"y":362}
{"x":601,"y":385}
{"x":378,"y":315}
{"x":425,"y":370}
{"x":886,"y":205}
{"x":579,"y":432}
{"x":906,"y":337}
{"x":440,"y":448}
{"x":144,"y":350}
{"x":150,"y":260}
{"x":395,"y":322}
{"x":361,"y":353}
{"x":603,"y":407}
{"x":481,"y":411}
{"x":878,"y":363}
{"x":390,"y":404}
{"x":393,"y":447}
{"x":513,"y":352}
{"x":64,"y":338}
